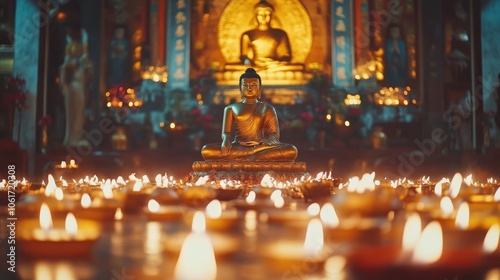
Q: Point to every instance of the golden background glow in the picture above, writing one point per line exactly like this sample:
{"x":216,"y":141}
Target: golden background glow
{"x":289,"y":15}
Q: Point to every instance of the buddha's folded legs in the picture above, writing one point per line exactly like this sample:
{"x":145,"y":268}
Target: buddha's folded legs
{"x":280,"y":152}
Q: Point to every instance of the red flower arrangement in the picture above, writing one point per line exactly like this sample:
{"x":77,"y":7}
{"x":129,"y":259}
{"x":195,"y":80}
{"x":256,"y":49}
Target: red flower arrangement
{"x":45,"y":121}
{"x":201,"y":120}
{"x":14,"y":92}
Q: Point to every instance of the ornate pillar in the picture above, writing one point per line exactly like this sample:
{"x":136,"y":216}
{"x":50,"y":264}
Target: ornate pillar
{"x":178,"y":43}
{"x":30,"y":17}
{"x":342,"y":43}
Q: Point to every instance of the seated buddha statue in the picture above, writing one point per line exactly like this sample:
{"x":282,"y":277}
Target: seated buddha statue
{"x":255,"y":125}
{"x":264,"y":47}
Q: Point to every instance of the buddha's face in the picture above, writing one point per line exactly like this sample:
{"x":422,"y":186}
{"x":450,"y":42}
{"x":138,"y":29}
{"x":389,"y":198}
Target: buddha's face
{"x":250,"y":88}
{"x":263,"y":15}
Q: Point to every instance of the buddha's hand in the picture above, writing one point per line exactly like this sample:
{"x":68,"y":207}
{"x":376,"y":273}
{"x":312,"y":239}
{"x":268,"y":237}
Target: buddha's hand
{"x":225,"y":147}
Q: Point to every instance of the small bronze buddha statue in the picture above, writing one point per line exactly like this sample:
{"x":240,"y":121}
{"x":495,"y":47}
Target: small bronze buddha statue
{"x":255,"y":126}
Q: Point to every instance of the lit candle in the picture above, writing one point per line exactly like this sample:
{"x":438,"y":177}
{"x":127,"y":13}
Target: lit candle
{"x":47,"y":237}
{"x":155,"y":211}
{"x":197,"y":258}
{"x":311,"y":252}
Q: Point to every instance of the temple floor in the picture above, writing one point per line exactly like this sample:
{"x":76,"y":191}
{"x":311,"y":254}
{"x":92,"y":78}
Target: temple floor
{"x":139,"y":247}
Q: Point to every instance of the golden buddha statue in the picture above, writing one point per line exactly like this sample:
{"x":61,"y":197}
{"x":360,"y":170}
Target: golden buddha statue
{"x":265,"y":48}
{"x":255,"y":125}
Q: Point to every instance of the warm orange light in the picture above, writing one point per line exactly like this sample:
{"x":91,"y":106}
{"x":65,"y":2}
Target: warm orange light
{"x":250,"y":199}
{"x":153,"y":206}
{"x":490,"y":243}
{"x":455,"y":185}
{"x":462,"y":218}
{"x":86,"y":201}
{"x":328,"y":215}
{"x":496,"y":196}
{"x":118,"y":214}
{"x":446,"y":206}
{"x":214,"y":209}
{"x":429,"y":246}
{"x":71,"y":225}
{"x":199,"y":222}
{"x":45,"y":217}
{"x":313,"y":243}
{"x":411,"y":232}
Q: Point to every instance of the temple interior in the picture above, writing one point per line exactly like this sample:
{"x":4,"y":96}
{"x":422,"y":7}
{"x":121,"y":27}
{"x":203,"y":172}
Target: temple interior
{"x":350,"y":149}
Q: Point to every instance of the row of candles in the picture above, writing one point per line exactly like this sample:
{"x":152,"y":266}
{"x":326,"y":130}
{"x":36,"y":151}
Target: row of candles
{"x":431,"y":221}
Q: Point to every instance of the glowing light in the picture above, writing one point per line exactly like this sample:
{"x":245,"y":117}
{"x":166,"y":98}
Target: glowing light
{"x":45,"y":217}
{"x":411,"y":232}
{"x":71,"y":225}
{"x":137,"y":186}
{"x":250,"y":199}
{"x":196,"y":251}
{"x":429,"y":246}
{"x":118,"y":214}
{"x":462,"y":218}
{"x":328,"y":215}
{"x":496,"y":196}
{"x":59,"y":194}
{"x":490,"y":243}
{"x":153,"y":206}
{"x":455,"y":185}
{"x":313,"y":209}
{"x":86,"y":201}
{"x":313,"y":243}
{"x":446,"y":206}
{"x":214,"y":209}
{"x":199,"y":223}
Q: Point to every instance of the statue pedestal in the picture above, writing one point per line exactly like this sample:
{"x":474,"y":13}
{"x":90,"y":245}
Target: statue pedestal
{"x":285,"y":75}
{"x":248,"y":171}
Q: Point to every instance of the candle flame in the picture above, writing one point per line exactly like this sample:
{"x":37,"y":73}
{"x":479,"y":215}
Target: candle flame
{"x":313,"y":209}
{"x":462,"y":218}
{"x":313,"y":243}
{"x":86,"y":201}
{"x":196,"y":252}
{"x":438,"y":188}
{"x":275,"y":195}
{"x":446,"y":206}
{"x":468,"y":180}
{"x":153,"y":206}
{"x":455,"y":185}
{"x":118,"y":214}
{"x":496,"y":196}
{"x":71,"y":225}
{"x":72,"y":162}
{"x":411,"y":232}
{"x":329,"y":216}
{"x":45,"y":217}
{"x":63,"y":164}
{"x":51,"y":186}
{"x":429,"y":247}
{"x":279,"y":202}
{"x":145,"y":179}
{"x":490,"y":243}
{"x":201,"y":181}
{"x":266,"y":181}
{"x":64,"y":183}
{"x":214,"y":209}
{"x":59,"y":194}
{"x":120,"y":180}
{"x":137,"y":186}
{"x":158,"y":180}
{"x":250,"y":197}
{"x":107,"y":190}
{"x":199,"y":222}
